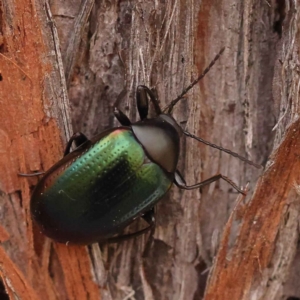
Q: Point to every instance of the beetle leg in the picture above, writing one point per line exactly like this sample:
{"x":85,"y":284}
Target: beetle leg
{"x":121,"y":117}
{"x":79,"y":139}
{"x":142,"y":101}
{"x":179,"y":179}
{"x":149,"y":217}
{"x":31,"y":175}
{"x":180,"y":182}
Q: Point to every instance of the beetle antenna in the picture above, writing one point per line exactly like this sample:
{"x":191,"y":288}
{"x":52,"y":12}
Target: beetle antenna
{"x":223,"y":149}
{"x":178,"y":98}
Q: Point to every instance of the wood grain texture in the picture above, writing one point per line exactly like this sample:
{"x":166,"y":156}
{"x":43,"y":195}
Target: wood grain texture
{"x":35,"y":121}
{"x":247,"y":246}
{"x":259,"y":264}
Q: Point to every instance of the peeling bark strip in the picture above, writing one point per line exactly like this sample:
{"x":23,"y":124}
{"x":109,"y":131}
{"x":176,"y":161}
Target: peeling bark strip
{"x":34,"y":122}
{"x":234,"y":277}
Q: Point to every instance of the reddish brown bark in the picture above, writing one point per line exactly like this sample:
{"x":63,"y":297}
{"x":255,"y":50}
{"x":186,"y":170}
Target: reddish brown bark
{"x":245,"y":268}
{"x":165,"y":45}
{"x":32,"y":128}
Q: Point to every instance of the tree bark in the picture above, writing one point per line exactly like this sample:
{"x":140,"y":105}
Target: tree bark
{"x":35,"y":121}
{"x":247,"y":102}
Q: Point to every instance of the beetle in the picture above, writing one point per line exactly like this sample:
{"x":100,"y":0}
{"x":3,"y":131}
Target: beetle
{"x":108,"y":181}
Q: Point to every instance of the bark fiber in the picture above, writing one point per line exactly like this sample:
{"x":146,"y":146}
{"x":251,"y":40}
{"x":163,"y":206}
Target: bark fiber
{"x":63,"y":66}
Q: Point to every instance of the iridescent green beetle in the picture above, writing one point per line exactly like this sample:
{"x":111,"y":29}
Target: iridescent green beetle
{"x":94,"y":192}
